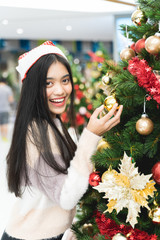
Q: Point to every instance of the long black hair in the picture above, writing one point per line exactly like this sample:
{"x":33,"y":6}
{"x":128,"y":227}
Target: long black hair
{"x":33,"y":108}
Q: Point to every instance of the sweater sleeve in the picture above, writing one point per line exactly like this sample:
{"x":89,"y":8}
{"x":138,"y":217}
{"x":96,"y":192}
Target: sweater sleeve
{"x":64,"y":189}
{"x":76,"y":183}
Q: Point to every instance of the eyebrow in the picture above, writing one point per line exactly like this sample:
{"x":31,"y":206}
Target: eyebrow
{"x":67,"y":75}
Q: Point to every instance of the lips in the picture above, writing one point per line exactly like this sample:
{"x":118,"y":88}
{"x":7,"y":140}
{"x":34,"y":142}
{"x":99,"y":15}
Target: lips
{"x":58,"y":101}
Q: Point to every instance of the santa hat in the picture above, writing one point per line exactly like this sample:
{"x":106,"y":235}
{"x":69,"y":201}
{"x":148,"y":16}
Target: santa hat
{"x":26,"y":60}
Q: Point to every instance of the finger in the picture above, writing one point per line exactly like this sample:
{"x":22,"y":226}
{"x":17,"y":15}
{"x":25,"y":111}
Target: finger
{"x":101,"y":115}
{"x":110,"y":113}
{"x":118,"y":113}
{"x":112,"y":125}
{"x":116,"y":118}
{"x":97,"y":111}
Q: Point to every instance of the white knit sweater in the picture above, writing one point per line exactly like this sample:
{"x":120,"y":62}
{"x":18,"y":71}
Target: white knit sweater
{"x":47,"y":206}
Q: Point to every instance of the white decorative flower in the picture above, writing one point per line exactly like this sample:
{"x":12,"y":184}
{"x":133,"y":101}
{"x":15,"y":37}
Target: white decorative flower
{"x":126,"y":189}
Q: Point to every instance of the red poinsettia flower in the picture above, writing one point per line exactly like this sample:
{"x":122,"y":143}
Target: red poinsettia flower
{"x":145,"y":77}
{"x":109,"y":228}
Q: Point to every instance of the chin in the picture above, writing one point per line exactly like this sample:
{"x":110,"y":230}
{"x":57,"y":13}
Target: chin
{"x":58,"y":112}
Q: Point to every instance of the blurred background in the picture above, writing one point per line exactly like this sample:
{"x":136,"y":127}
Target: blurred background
{"x":85,"y":30}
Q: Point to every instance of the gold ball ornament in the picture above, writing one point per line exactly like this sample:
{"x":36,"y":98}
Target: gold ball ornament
{"x":109,"y":102}
{"x":152,"y":44}
{"x":111,"y":62}
{"x":127,"y":54}
{"x":107,"y":175}
{"x":77,"y":101}
{"x":87,"y":228}
{"x":105,"y":79}
{"x":144,"y":125}
{"x":154,"y":214}
{"x":119,"y":236}
{"x":99,"y":53}
{"x":75,"y":79}
{"x":102,"y":144}
{"x":138,"y":17}
{"x":81,"y":86}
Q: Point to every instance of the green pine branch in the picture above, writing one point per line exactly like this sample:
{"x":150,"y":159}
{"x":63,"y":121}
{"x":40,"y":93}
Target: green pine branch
{"x":151,"y":9}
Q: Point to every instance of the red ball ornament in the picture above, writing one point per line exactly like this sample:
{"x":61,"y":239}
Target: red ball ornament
{"x":132,"y":46}
{"x":156,"y":172}
{"x":94,"y":179}
{"x":140,"y":44}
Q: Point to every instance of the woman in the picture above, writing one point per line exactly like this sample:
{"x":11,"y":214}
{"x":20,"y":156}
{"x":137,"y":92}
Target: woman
{"x":45,"y":170}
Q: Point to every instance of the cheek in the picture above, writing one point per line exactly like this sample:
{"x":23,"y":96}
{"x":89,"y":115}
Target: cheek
{"x":48,"y":92}
{"x":69,"y":89}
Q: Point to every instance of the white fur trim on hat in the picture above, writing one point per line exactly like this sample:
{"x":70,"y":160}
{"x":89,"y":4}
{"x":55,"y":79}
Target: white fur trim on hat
{"x":26,"y":60}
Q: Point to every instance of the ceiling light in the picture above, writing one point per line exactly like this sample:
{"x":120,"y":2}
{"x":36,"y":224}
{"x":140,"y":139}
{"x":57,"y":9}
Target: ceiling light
{"x":4,"y":21}
{"x":68,"y":27}
{"x":19,"y":30}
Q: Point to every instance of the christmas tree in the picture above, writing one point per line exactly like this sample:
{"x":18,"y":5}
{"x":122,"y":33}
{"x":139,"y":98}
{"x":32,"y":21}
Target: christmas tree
{"x":123,"y":198}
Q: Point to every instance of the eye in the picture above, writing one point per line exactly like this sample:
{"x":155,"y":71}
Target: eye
{"x":66,"y":80}
{"x":49,"y":84}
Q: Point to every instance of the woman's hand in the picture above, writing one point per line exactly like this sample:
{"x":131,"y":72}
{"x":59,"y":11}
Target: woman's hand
{"x":101,"y":125}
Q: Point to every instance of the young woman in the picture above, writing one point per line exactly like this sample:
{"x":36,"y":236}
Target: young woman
{"x":45,"y":169}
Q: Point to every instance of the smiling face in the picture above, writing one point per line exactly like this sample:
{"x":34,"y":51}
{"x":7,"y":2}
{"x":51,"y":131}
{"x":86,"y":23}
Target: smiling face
{"x":58,"y":88}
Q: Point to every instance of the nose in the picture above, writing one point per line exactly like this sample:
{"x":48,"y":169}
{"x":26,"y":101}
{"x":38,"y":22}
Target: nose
{"x":58,"y":89}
